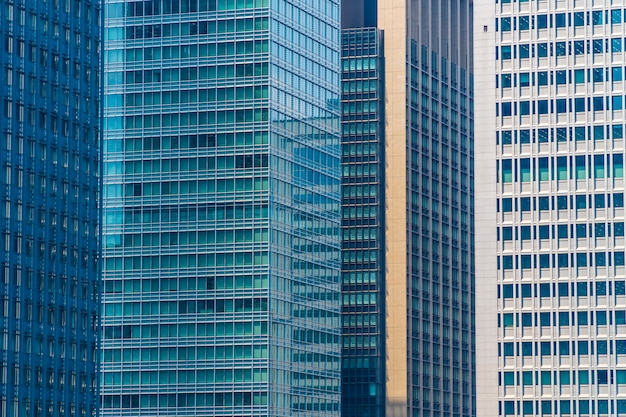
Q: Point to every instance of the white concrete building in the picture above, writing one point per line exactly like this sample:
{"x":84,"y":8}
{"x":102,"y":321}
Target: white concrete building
{"x":551,"y":293}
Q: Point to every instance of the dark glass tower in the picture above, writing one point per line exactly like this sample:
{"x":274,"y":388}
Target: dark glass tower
{"x":363,"y":376}
{"x":49,"y":220}
{"x":222,"y":202}
{"x":408,"y":268}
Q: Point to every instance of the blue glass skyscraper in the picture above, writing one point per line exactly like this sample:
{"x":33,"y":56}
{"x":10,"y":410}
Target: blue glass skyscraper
{"x":222,"y":208}
{"x":49,"y":213}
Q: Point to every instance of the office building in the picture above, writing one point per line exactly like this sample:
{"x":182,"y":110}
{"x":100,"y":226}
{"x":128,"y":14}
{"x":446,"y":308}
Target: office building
{"x":363,"y":342}
{"x":408,"y":273}
{"x":222,"y":208}
{"x":551,"y":298}
{"x":49,"y":214}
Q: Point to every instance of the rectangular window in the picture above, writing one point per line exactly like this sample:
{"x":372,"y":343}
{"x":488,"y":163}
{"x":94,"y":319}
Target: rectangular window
{"x":598,"y":166}
{"x":507,"y":170}
{"x":618,"y":165}
{"x":579,"y":19}
{"x":581,"y":172}
{"x":505,"y":52}
{"x":579,"y":76}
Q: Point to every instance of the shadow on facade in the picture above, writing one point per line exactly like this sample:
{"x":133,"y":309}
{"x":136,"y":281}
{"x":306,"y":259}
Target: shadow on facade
{"x":396,"y":408}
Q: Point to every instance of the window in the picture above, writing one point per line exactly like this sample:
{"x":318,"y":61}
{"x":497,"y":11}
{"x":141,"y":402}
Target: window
{"x":523,"y":22}
{"x":505,"y":24}
{"x":598,"y":75}
{"x":506,"y":109}
{"x":506,"y":51}
{"x":542,"y":21}
{"x":542,"y":106}
{"x":506,"y":80}
{"x":507,"y":170}
{"x":507,"y":291}
{"x":596,"y":17}
{"x":542,"y":50}
{"x":579,"y":19}
{"x":579,"y":49}
{"x":579,"y":76}
{"x":542,"y":78}
{"x":524,"y":203}
{"x":616,"y":16}
{"x":597,"y":46}
{"x":524,"y":51}
{"x":618,"y":165}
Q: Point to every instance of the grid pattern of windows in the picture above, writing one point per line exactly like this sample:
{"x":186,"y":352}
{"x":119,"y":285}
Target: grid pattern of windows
{"x":559,"y":207}
{"x":222,"y":208}
{"x":363,"y":350}
{"x":49,"y":213}
{"x":441,"y":235}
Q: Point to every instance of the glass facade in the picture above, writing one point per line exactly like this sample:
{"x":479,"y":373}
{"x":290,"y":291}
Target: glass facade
{"x":441,"y":247}
{"x":363,"y":376}
{"x":408,"y":266}
{"x":49,"y":213}
{"x":222,"y":208}
{"x":557,"y":271}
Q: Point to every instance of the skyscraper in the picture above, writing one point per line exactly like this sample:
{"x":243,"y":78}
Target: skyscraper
{"x":49,"y":214}
{"x":222,"y":208}
{"x":408,"y":273}
{"x":363,"y":353}
{"x":550,"y":218}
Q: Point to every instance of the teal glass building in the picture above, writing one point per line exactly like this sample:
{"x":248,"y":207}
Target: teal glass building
{"x":50,"y":69}
{"x":222,"y":208}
